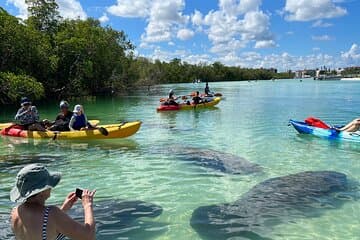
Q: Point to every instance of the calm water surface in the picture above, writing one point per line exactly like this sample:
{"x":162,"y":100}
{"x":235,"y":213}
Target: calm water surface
{"x":251,"y":123}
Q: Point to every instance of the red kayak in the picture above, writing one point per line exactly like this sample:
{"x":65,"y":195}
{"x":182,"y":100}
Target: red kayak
{"x":168,"y":107}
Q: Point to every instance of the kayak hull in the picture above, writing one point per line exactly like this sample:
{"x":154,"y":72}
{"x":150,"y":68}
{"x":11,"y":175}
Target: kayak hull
{"x":114,"y":131}
{"x":189,"y":107}
{"x":331,"y":134}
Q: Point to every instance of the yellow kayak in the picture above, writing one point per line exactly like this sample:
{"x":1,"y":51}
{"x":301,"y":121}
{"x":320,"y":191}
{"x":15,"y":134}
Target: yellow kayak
{"x":112,"y":131}
{"x":184,"y":106}
{"x":201,"y":105}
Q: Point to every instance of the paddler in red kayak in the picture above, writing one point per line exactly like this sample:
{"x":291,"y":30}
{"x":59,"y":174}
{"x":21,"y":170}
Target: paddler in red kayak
{"x":171,"y":99}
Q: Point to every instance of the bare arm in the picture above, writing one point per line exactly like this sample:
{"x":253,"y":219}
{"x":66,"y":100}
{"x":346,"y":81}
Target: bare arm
{"x":73,"y":229}
{"x":20,"y":113}
{"x":71,"y":123}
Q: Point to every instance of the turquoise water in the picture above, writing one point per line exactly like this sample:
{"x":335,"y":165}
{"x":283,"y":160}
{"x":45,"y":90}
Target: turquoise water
{"x":251,"y":123}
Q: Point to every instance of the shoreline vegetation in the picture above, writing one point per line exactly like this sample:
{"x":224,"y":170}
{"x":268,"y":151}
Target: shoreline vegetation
{"x":47,"y":57}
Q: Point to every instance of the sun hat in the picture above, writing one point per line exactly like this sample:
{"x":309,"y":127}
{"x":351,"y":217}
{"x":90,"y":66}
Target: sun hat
{"x":64,"y":104}
{"x":77,"y":108}
{"x":31,"y":180}
{"x":24,"y":101}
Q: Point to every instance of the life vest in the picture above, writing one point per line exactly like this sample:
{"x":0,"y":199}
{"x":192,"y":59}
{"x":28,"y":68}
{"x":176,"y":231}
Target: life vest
{"x":315,"y":122}
{"x":79,"y":122}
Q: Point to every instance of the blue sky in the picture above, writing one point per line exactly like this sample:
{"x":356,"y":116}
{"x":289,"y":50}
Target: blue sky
{"x":285,"y":34}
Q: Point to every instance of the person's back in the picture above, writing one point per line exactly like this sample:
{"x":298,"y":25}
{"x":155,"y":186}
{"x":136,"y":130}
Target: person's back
{"x":28,"y":222}
{"x":207,"y":89}
{"x":197,"y":99}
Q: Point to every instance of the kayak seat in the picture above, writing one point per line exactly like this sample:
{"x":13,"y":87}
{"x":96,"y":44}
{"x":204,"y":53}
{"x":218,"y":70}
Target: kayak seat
{"x":315,"y":122}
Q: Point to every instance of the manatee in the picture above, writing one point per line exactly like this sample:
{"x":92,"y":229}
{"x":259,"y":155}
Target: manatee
{"x":275,"y":201}
{"x":123,"y":219}
{"x":219,"y":161}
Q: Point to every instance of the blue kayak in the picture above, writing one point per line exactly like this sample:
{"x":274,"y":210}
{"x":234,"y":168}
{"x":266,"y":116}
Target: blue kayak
{"x":332,"y":134}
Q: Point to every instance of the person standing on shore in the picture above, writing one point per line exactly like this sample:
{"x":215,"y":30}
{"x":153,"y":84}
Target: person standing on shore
{"x":32,"y":219}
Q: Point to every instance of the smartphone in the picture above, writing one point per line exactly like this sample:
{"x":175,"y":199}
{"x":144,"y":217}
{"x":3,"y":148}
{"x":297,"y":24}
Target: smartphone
{"x":79,"y":193}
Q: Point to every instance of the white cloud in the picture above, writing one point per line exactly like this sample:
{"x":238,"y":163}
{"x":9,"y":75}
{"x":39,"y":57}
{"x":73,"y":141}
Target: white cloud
{"x":265,"y":44}
{"x":321,"y":23}
{"x":282,"y":61}
{"x":130,"y":8}
{"x":104,"y":18}
{"x":352,"y":56}
{"x":321,"y":38}
{"x":307,"y":10}
{"x":185,"y":34}
{"x":197,"y":18}
{"x":68,"y":9}
{"x":315,"y":49}
{"x":71,"y":9}
{"x":235,"y":24}
{"x":21,"y":5}
{"x":165,"y":17}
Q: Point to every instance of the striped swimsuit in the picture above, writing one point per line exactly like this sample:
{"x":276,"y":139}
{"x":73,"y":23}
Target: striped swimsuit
{"x":44,"y":226}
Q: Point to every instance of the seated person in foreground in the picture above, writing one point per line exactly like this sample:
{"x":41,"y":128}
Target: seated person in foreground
{"x":28,"y":116}
{"x":197,"y":99}
{"x":79,"y":120}
{"x":62,"y":120}
{"x":353,"y":126}
{"x":33,"y":219}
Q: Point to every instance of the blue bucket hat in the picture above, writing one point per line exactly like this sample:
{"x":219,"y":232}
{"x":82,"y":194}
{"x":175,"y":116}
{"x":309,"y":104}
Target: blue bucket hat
{"x":24,"y":101}
{"x":31,"y":180}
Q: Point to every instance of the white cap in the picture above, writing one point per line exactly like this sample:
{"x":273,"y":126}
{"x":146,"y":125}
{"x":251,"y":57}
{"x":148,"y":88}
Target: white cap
{"x":78,"y":108}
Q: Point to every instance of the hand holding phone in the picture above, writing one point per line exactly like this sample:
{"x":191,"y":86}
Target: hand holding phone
{"x":79,"y":193}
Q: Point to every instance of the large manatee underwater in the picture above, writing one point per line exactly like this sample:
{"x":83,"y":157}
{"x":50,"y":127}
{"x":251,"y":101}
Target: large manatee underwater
{"x":219,"y":161}
{"x":275,"y":201}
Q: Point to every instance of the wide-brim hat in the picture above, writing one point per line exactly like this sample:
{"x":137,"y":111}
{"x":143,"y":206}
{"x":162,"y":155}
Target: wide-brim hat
{"x":31,"y":180}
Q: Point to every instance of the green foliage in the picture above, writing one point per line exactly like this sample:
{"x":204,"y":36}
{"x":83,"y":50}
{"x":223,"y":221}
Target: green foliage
{"x":13,"y":87}
{"x":44,"y":15}
{"x":351,"y":72}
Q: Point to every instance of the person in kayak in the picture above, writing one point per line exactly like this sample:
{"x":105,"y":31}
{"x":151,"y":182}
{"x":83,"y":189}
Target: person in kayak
{"x":79,"y":120}
{"x":197,"y":99}
{"x":207,"y":89}
{"x":353,"y":126}
{"x":33,"y":219}
{"x":172,"y":98}
{"x":28,"y":116}
{"x":62,"y":120}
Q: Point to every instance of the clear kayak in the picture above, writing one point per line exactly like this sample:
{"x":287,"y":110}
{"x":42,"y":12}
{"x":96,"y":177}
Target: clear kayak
{"x":112,"y":131}
{"x":330,"y":133}
{"x":184,"y":106}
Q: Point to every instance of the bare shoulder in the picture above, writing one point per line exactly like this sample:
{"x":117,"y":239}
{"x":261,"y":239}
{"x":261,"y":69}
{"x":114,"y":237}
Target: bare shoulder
{"x":55,"y":211}
{"x":14,"y":218}
{"x":14,"y":213}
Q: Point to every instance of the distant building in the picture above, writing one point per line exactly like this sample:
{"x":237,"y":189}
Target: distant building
{"x":305,"y":73}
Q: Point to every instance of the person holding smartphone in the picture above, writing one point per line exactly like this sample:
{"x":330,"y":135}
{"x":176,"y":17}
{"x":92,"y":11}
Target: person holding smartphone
{"x":33,"y":219}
